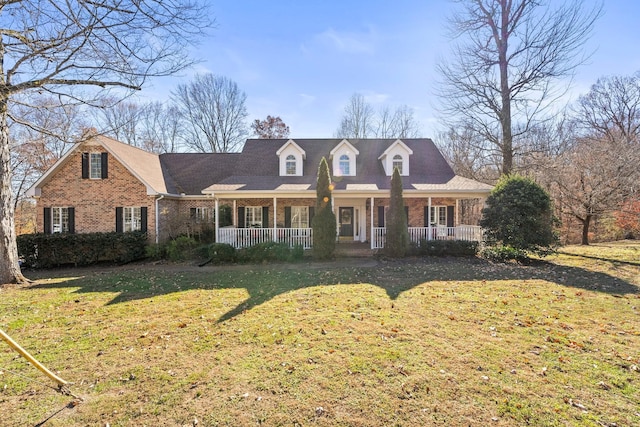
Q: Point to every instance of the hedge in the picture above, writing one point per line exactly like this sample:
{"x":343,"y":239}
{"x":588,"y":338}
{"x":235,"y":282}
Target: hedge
{"x":53,"y":250}
{"x":447,"y":248}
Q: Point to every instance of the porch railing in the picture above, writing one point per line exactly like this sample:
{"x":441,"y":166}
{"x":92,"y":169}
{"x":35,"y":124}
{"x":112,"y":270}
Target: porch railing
{"x":245,"y":237}
{"x":416,"y":234}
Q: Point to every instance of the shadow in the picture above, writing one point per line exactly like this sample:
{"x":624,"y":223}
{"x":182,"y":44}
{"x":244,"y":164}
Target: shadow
{"x":264,"y":283}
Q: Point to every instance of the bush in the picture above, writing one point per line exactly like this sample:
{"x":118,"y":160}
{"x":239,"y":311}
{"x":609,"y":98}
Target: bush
{"x":503,"y":253}
{"x":222,"y":253}
{"x":53,"y":250}
{"x":270,"y":251}
{"x":446,"y":248}
{"x":181,"y":248}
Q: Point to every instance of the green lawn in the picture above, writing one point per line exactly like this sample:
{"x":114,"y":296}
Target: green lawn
{"x":412,"y":343}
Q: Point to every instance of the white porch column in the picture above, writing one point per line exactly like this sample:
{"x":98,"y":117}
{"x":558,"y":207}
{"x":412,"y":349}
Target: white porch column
{"x":457,"y":219}
{"x":234,"y":214}
{"x":371,"y":228}
{"x":217,"y":220}
{"x":429,"y":220}
{"x":275,"y":217}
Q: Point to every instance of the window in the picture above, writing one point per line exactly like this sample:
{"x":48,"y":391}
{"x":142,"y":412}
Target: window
{"x":439,"y":215}
{"x":253,"y":216}
{"x":60,"y":220}
{"x":291,"y":164}
{"x":300,"y":217}
{"x":397,"y":163}
{"x":344,"y":165}
{"x":202,"y":214}
{"x":131,"y":219}
{"x":95,"y":165}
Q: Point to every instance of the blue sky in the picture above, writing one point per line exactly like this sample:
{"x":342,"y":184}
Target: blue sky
{"x":302,"y":60}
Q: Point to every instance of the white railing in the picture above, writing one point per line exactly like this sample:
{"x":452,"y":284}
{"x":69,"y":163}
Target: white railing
{"x":245,"y":237}
{"x":471,"y":233}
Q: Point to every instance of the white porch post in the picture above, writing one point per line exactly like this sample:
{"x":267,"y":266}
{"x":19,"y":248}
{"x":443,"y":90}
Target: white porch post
{"x":457,"y":219}
{"x":429,"y":220}
{"x":217,"y":220}
{"x":371,"y":228}
{"x":275,"y":217}
{"x":234,"y":214}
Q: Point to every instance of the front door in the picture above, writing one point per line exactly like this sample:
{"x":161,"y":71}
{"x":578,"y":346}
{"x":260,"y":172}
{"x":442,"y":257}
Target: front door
{"x":345,"y":218}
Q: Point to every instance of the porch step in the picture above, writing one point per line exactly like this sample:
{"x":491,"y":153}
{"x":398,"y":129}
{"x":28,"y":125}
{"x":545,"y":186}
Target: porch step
{"x":353,"y":250}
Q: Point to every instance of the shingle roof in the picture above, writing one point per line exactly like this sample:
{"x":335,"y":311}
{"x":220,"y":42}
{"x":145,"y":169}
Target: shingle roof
{"x":190,"y":173}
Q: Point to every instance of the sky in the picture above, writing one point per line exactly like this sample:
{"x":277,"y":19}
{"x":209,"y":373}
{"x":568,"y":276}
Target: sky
{"x":303,"y":59}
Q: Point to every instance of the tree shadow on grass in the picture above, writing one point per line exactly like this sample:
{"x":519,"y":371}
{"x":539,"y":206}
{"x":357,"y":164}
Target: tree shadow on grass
{"x":264,"y":283}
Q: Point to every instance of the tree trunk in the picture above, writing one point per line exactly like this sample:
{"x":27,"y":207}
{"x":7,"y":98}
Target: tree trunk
{"x":585,"y":229}
{"x":505,"y":92}
{"x":9,"y":267}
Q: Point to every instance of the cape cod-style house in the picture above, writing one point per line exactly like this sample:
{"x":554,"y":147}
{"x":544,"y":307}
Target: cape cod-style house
{"x":265,"y":192}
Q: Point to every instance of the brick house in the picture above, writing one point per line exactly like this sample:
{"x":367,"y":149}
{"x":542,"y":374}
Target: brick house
{"x":265,"y":192}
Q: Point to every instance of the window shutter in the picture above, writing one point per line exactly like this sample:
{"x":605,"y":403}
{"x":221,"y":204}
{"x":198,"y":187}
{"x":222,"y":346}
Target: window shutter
{"x":47,"y":221}
{"x":85,"y":165}
{"x":450,"y":216}
{"x":426,"y":216}
{"x":192,"y":213}
{"x":143,"y":219}
{"x":265,"y":217}
{"x":119,"y":227}
{"x":380,"y":216}
{"x":287,"y":217}
{"x":312,"y":212}
{"x":241,"y":217}
{"x":406,"y":212}
{"x":72,"y":220}
{"x":105,"y":165}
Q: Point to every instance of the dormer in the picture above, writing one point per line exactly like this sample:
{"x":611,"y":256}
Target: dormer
{"x":344,"y":159}
{"x":291,"y":157}
{"x":396,"y":156}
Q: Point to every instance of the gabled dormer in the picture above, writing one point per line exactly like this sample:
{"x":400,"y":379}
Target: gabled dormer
{"x":343,"y":158}
{"x":291,"y":157}
{"x":396,"y":156}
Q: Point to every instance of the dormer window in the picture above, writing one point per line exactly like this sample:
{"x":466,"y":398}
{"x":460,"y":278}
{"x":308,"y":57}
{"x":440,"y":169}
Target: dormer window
{"x":291,"y":164}
{"x":344,"y":165}
{"x":397,"y":163}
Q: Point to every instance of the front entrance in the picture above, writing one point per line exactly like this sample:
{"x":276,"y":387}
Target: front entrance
{"x":345,"y":219}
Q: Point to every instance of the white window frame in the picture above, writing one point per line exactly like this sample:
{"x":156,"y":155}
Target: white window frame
{"x":59,"y":220}
{"x":203,"y":214}
{"x":95,"y":165}
{"x":300,"y":217}
{"x":344,"y":165}
{"x":253,"y":216}
{"x":397,"y":162}
{"x":439,"y":216}
{"x":291,"y":165}
{"x":131,"y":218}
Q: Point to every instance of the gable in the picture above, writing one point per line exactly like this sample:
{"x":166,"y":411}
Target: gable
{"x":397,"y":153}
{"x":291,"y":159}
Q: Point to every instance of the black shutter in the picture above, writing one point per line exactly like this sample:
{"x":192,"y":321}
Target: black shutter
{"x":119,"y":227}
{"x":105,"y":165}
{"x":85,"y":165}
{"x":406,"y":212}
{"x":47,"y":221}
{"x":241,"y":217}
{"x":265,"y":217}
{"x":72,"y":220}
{"x":426,"y":216}
{"x":192,"y":213}
{"x":143,"y":219}
{"x":380,"y":216}
{"x":312,"y":212}
{"x":450,"y":216}
{"x":287,"y":217}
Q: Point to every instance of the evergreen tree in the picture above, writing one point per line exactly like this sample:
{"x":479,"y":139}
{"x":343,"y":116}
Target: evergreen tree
{"x":397,"y":242}
{"x":519,"y":215}
{"x":324,"y":220}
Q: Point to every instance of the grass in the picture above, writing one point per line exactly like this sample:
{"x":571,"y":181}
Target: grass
{"x":407,"y":343}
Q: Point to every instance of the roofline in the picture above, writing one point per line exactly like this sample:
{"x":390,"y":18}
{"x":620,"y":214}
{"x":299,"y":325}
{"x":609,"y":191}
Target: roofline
{"x":34,"y":190}
{"x":266,"y":194}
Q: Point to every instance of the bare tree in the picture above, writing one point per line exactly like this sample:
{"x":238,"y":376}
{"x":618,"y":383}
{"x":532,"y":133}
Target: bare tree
{"x":399,"y":123}
{"x":213,"y":109}
{"x":58,"y":48}
{"x":357,"y":121}
{"x":508,"y":65}
{"x":122,"y":120}
{"x":270,"y":128}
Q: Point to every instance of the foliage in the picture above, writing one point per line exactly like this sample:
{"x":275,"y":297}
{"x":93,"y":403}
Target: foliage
{"x":628,"y":218}
{"x":53,"y":250}
{"x":518,"y":214}
{"x":181,"y":248}
{"x":221,"y":253}
{"x":460,"y":248}
{"x":268,"y":252}
{"x":324,"y":220}
{"x":501,"y":253}
{"x":397,"y":242}
{"x":270,"y":128}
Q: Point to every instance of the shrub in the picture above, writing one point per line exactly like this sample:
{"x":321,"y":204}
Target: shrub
{"x":324,"y":221}
{"x":222,"y":253}
{"x":503,"y":253}
{"x":181,"y":248}
{"x":53,"y":250}
{"x":270,"y":251}
{"x":397,"y":243}
{"x":447,"y":248}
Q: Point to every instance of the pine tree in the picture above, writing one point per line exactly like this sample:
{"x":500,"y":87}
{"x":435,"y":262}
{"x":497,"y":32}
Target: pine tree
{"x":324,"y":221}
{"x":397,"y":243}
